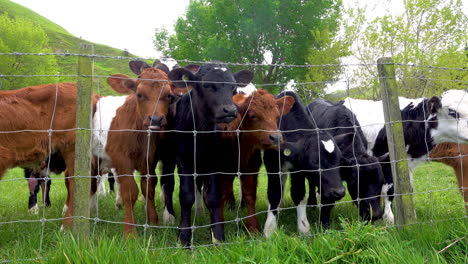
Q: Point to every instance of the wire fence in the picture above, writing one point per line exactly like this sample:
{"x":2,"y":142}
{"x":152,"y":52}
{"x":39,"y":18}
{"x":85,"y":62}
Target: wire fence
{"x":450,"y":123}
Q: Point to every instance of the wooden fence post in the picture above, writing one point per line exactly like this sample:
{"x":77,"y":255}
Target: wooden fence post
{"x":83,"y":142}
{"x":404,"y":205}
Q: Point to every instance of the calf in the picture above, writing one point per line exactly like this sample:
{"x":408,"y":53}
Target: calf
{"x":200,"y":156}
{"x":306,"y":153}
{"x":257,"y":122}
{"x":26,"y":111}
{"x":39,"y":179}
{"x":362,"y":172}
{"x":456,"y":156}
{"x":426,"y":122}
{"x":132,"y":139}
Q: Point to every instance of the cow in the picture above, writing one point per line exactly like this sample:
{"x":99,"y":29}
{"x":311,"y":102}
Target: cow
{"x":306,"y":153}
{"x":256,"y":122}
{"x":361,"y":171}
{"x":426,"y":122}
{"x":200,"y":157}
{"x":456,"y":156}
{"x":36,"y":120}
{"x":131,"y":142}
{"x":39,"y":179}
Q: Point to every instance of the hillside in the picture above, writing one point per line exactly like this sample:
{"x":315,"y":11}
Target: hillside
{"x":61,"y":41}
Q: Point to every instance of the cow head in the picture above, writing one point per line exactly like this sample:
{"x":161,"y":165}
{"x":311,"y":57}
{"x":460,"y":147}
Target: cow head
{"x":320,"y":157}
{"x":151,"y":92}
{"x":213,"y":86}
{"x":259,"y":114}
{"x":363,"y":175}
{"x":452,"y":118}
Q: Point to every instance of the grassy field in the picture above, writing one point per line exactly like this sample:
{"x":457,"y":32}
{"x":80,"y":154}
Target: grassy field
{"x":440,"y":213}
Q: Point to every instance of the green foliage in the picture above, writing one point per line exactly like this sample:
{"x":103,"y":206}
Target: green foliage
{"x":258,"y":32}
{"x":428,"y":32}
{"x":21,"y":35}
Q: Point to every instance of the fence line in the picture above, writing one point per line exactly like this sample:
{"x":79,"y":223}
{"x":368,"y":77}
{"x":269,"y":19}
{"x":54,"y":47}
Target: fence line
{"x":238,"y":218}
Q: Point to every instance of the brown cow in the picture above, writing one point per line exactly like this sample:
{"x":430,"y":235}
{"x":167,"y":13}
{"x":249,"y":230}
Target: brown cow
{"x":456,"y":156}
{"x":143,"y":113}
{"x":26,"y":115}
{"x":258,"y":116}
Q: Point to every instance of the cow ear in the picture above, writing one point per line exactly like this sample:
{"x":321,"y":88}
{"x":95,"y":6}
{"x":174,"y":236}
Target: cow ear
{"x":434,"y":104}
{"x":239,"y":99}
{"x":137,"y":67}
{"x":348,"y":137}
{"x":182,"y":78}
{"x":243,"y":77}
{"x":285,"y":104}
{"x":121,"y":83}
{"x":289,"y":150}
{"x":161,"y":66}
{"x":191,"y":67}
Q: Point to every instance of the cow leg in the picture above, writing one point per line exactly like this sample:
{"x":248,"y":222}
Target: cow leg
{"x":34,"y":186}
{"x":312,"y":200}
{"x":187,"y":199}
{"x":388,"y":194}
{"x":271,"y":161}
{"x":45,"y":185}
{"x":111,"y":179}
{"x":148,"y":185}
{"x":325,"y":212}
{"x":298,"y":195}
{"x":249,"y":196}
{"x":212,"y":201}
{"x":129,"y":194}
{"x":225,"y":184}
{"x":68,"y":208}
{"x":167,"y":190}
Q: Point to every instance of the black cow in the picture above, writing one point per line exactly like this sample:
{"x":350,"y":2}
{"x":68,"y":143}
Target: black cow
{"x":418,"y":122}
{"x":362,"y":172}
{"x":199,"y":155}
{"x":306,"y":153}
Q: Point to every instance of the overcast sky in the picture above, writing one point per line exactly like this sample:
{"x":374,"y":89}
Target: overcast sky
{"x":120,"y":24}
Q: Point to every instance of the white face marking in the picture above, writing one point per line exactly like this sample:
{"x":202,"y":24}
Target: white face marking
{"x":247,"y":90}
{"x":270,"y":223}
{"x":329,"y":145}
{"x":302,"y":223}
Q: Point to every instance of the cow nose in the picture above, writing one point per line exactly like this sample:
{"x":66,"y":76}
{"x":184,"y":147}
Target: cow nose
{"x":276,"y":138}
{"x":155,"y":120}
{"x":338,"y":192}
{"x":230,"y":110}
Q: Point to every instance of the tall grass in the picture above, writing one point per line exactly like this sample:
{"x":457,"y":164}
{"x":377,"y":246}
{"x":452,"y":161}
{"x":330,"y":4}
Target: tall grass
{"x":441,"y":214}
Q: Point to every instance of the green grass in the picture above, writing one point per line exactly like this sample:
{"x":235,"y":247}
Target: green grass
{"x":348,"y":241}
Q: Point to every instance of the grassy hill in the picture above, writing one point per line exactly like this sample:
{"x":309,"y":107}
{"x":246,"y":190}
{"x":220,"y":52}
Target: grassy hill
{"x":61,"y":41}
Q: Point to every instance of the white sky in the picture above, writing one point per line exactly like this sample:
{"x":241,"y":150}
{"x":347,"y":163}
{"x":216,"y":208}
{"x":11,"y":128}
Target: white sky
{"x":120,"y":24}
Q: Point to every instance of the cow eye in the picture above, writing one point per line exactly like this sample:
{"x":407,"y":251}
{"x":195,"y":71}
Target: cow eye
{"x":139,"y":96}
{"x":252,"y":116}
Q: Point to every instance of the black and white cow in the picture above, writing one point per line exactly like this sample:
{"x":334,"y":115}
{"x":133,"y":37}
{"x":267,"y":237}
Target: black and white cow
{"x":361,"y":171}
{"x":198,"y":147}
{"x":306,"y":153}
{"x":426,"y":122}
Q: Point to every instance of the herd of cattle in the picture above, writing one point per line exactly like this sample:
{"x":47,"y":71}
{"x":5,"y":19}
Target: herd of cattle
{"x":213,"y":125}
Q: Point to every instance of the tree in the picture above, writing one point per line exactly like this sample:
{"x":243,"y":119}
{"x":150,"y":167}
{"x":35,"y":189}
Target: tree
{"x":427,"y":33}
{"x":21,"y":35}
{"x":255,"y":32}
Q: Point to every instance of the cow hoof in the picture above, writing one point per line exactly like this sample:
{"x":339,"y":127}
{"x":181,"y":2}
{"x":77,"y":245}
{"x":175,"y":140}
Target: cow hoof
{"x":64,"y":210}
{"x":389,"y":220}
{"x":34,"y":210}
{"x":168,"y":218}
{"x":304,"y":227}
{"x":270,"y":226}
